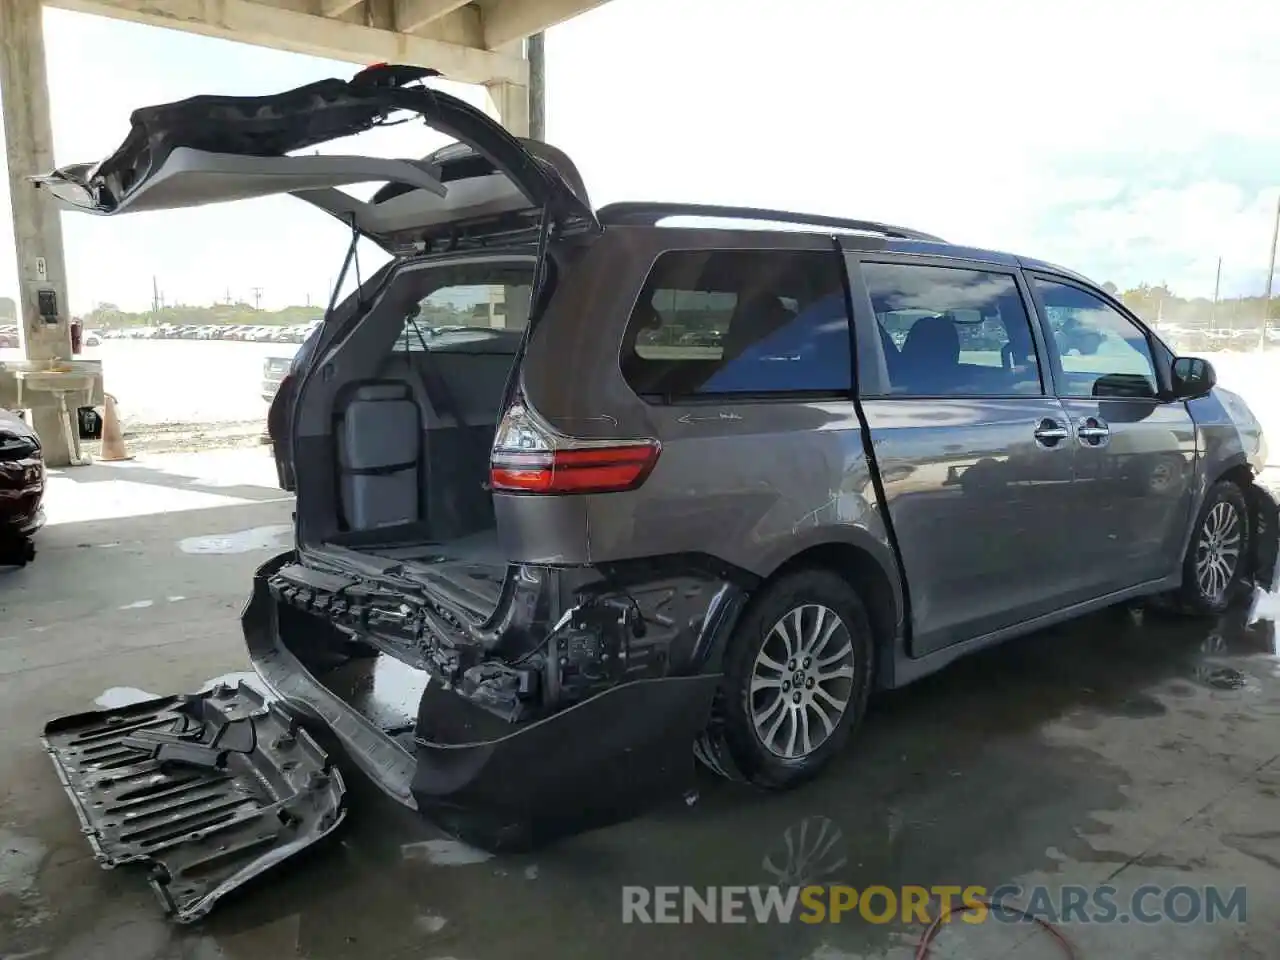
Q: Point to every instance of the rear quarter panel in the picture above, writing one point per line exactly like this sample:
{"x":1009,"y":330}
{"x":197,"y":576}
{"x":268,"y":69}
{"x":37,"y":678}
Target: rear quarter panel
{"x":751,"y":483}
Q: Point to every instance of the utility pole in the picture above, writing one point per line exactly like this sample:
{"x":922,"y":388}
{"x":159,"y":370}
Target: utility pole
{"x":536,"y":51}
{"x":155,"y":294}
{"x":257,"y":297}
{"x":1271,"y":272}
{"x":1217,"y":286}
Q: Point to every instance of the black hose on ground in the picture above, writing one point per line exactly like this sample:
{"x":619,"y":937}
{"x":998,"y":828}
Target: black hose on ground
{"x":931,"y":934}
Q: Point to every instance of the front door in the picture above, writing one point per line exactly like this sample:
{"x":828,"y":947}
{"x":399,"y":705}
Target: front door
{"x":1134,"y":452}
{"x":975,"y":452}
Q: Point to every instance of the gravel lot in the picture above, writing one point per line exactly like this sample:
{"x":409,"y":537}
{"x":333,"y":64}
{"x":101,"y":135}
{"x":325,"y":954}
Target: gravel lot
{"x":185,"y":394}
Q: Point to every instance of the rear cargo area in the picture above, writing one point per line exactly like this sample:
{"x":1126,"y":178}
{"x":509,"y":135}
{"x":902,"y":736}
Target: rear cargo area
{"x":413,"y":444}
{"x":408,"y":418}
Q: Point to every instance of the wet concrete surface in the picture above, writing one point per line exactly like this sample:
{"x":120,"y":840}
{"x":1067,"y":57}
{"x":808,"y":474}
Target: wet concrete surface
{"x":1129,"y":749}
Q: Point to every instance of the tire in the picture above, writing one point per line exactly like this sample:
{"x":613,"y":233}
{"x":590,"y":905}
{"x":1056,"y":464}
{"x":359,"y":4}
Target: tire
{"x":829,"y":607}
{"x":1208,"y":587}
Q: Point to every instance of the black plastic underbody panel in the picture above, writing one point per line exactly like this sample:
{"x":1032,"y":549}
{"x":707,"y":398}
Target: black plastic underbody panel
{"x":207,"y":790}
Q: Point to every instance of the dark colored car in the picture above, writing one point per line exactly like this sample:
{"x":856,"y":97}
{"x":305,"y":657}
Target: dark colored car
{"x":274,"y":370}
{"x":540,"y":564}
{"x":22,"y":477}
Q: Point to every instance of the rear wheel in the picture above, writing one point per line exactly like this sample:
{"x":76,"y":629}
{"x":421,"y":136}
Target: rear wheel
{"x":797,"y":676}
{"x":1216,"y":562}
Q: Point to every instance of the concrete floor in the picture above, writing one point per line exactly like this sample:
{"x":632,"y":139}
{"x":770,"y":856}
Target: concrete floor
{"x":1120,"y":750}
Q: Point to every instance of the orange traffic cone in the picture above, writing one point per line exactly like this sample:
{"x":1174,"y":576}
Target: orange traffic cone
{"x":112,"y":438}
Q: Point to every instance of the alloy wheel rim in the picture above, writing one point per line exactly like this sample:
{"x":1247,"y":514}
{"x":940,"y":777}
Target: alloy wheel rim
{"x":802,"y":681}
{"x":1218,"y":550}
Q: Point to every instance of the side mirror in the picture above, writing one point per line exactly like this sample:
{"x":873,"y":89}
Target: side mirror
{"x":1192,"y":377}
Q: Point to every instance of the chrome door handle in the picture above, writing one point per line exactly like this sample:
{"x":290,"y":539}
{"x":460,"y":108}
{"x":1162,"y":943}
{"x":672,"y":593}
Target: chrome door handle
{"x":1049,"y":433}
{"x":1092,"y":431}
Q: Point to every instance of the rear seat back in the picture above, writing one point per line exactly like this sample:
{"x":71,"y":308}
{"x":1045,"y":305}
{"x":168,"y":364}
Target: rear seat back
{"x":379,"y":457}
{"x":456,"y":394}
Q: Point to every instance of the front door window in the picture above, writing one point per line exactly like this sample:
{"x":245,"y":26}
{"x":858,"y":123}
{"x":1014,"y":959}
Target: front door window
{"x":1103,"y":353}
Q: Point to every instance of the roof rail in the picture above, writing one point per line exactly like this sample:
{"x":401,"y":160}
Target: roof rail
{"x":649,"y":214}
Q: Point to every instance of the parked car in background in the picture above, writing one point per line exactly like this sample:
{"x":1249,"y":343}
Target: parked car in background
{"x":9,"y":336}
{"x":22,"y":479}
{"x":274,"y":370}
{"x":1245,"y":339}
{"x":594,"y":550}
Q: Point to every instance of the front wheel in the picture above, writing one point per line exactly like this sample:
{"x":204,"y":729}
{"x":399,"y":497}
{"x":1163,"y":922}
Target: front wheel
{"x":1216,"y":562}
{"x":797,"y":677}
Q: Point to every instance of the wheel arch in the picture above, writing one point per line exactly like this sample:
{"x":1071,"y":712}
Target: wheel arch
{"x":878,"y":587}
{"x":1237,"y":471}
{"x":1264,"y":518}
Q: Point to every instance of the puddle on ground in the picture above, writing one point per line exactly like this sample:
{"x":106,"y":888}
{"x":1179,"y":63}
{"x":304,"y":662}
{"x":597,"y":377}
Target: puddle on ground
{"x":808,"y":852}
{"x":1227,"y":678}
{"x":444,"y":853}
{"x":430,"y":923}
{"x":243,"y":541}
{"x":123,"y":697}
{"x":1266,"y":603}
{"x":20,"y":859}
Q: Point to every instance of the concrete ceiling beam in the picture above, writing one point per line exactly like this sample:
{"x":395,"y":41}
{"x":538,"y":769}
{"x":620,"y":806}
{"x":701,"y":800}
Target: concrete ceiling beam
{"x":508,"y":21}
{"x":288,"y":29}
{"x":413,"y":15}
{"x":336,"y":8}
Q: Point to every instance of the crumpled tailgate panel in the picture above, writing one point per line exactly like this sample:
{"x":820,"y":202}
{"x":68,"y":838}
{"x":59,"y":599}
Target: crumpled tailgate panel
{"x":208,"y":790}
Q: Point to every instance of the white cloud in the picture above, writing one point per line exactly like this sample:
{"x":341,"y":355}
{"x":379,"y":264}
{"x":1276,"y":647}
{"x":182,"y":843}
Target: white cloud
{"x":1131,"y":139}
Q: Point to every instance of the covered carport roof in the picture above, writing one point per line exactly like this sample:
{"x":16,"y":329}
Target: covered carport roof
{"x":475,"y":42}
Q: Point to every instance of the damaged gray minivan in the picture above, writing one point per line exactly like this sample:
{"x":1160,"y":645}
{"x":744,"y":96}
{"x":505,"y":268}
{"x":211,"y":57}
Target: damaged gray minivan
{"x":581,"y":494}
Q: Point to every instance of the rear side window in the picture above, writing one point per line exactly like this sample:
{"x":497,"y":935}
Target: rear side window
{"x":455,"y":310}
{"x":739,"y":322}
{"x":948,"y":331}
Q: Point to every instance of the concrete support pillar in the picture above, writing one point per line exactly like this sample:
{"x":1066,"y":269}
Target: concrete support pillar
{"x":37,"y":227}
{"x":509,"y":104}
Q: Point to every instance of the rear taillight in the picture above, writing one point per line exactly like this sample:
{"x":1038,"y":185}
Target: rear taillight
{"x":529,"y":457}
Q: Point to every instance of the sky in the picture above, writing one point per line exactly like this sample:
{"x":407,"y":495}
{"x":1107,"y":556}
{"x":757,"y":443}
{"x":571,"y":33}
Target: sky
{"x":1128,"y":139}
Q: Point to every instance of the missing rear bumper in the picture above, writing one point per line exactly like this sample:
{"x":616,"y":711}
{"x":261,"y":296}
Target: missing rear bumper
{"x":208,"y":790}
{"x":497,"y":782}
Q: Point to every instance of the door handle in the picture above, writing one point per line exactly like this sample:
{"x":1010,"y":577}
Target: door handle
{"x":1049,"y":433}
{"x":1092,"y":431}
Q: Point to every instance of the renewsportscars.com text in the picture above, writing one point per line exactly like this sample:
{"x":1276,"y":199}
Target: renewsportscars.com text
{"x":1065,"y":904}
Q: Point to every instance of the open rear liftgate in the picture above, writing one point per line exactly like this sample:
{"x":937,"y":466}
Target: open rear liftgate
{"x":207,"y":790}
